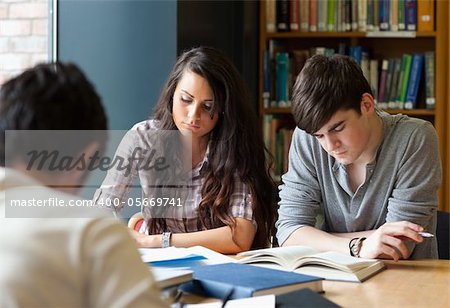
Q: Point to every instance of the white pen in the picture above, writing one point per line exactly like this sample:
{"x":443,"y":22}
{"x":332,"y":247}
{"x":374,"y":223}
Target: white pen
{"x":426,"y":234}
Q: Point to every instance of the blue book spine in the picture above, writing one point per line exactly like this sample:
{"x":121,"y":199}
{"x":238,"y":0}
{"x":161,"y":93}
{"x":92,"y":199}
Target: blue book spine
{"x":411,"y":15}
{"x":356,"y":53}
{"x":384,"y":14}
{"x":414,"y":81}
{"x":282,"y":76}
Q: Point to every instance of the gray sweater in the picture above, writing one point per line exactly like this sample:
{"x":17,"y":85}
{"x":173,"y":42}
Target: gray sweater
{"x":400,"y":185}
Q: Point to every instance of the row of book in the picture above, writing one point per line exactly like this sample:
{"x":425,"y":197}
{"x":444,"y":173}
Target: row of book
{"x":349,"y":15}
{"x":278,"y":130}
{"x":396,"y":83}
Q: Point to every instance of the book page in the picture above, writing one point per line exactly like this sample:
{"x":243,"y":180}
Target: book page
{"x":336,"y":260}
{"x":283,"y":256}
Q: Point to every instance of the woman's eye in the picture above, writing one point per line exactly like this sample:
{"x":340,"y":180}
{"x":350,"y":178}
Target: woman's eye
{"x":207,"y":107}
{"x":185,"y":99}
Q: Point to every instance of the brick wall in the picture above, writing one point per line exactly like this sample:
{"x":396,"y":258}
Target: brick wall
{"x":23,"y":35}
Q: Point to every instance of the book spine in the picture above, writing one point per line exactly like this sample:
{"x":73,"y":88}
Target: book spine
{"x":354,"y":15}
{"x":282,"y":60}
{"x":390,"y":74}
{"x":347,"y":15}
{"x":370,"y":13}
{"x":411,"y":15}
{"x":401,"y":15}
{"x":414,"y":81}
{"x":405,"y":78}
{"x":271,"y":23}
{"x":376,"y":15}
{"x":282,"y":15}
{"x":382,"y":84}
{"x":374,"y":77}
{"x":384,"y":15}
{"x":322,"y":15}
{"x":304,"y":15}
{"x":294,"y":17}
{"x":430,"y":75}
{"x":425,"y":15}
{"x":362,"y":15}
{"x":331,"y":15}
{"x":394,"y":87}
{"x":313,"y":15}
{"x":266,"y":80}
{"x":393,"y":16}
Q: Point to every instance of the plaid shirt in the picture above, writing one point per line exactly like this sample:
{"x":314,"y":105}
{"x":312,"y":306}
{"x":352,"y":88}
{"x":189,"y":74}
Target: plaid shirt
{"x":117,"y":184}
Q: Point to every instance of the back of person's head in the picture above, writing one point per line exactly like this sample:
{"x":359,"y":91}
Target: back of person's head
{"x":52,"y":96}
{"x":324,"y":86}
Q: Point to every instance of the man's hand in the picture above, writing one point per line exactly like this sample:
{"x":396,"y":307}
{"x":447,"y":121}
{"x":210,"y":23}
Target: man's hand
{"x":387,"y":240}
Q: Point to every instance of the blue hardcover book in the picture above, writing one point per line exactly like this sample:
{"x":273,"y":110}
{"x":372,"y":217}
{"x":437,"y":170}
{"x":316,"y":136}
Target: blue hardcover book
{"x":282,"y":76}
{"x":233,"y":280}
{"x":414,"y":81}
{"x":411,"y":15}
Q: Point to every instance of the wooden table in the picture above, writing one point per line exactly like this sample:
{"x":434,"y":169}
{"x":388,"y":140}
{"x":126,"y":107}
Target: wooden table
{"x":403,"y":284}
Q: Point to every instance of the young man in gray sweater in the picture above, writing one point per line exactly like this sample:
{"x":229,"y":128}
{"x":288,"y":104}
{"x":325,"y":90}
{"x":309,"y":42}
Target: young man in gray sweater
{"x":372,"y":175}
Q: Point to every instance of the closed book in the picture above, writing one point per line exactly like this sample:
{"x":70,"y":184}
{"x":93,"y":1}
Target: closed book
{"x":282,"y":10}
{"x":425,"y":15}
{"x":411,"y":15}
{"x":305,"y":260}
{"x":396,"y":86}
{"x":271,"y":16}
{"x":401,"y":15}
{"x":382,"y":103}
{"x":331,"y":15}
{"x":322,"y":15}
{"x":233,"y":280}
{"x":294,"y":14}
{"x":313,"y":15}
{"x":430,"y":75}
{"x":303,"y":298}
{"x":384,"y":15}
{"x":282,"y":76}
{"x":362,"y":15}
{"x":406,"y":69}
{"x":304,"y":16}
{"x":414,"y":81}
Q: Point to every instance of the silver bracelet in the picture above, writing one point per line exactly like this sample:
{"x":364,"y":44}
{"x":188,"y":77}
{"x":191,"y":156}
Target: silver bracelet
{"x":165,"y":240}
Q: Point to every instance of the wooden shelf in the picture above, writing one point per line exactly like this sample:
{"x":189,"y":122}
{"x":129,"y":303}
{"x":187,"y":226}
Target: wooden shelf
{"x":375,"y":35}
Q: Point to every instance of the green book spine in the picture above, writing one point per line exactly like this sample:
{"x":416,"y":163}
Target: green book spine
{"x":406,"y":78}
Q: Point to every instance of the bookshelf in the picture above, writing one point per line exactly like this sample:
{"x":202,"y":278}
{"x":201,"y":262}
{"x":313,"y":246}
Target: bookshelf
{"x":381,"y":45}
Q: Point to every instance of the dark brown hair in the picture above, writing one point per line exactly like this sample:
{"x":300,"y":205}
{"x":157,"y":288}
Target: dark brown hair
{"x":236,"y":144}
{"x":324,"y":86}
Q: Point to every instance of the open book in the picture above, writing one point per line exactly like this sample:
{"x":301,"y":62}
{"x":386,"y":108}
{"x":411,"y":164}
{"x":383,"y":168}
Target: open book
{"x":305,"y":260}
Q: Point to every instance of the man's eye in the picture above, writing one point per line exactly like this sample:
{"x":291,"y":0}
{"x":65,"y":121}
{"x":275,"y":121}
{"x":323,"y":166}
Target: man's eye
{"x":339,"y":128}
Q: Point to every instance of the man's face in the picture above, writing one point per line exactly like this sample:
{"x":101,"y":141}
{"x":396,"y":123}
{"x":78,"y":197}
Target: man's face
{"x":346,"y":136}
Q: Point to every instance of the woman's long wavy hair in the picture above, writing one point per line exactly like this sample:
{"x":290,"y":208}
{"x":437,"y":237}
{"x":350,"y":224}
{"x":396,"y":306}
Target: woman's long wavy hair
{"x":236,"y":144}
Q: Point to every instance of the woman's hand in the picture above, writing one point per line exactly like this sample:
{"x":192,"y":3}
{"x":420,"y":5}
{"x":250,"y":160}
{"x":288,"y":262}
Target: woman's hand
{"x":387,"y":240}
{"x":146,"y":241}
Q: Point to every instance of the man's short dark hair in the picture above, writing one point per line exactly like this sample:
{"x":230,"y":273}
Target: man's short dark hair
{"x":324,"y":86}
{"x":52,"y":96}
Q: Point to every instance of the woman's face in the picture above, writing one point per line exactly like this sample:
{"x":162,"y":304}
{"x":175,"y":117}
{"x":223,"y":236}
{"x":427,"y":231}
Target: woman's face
{"x":192,"y":104}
